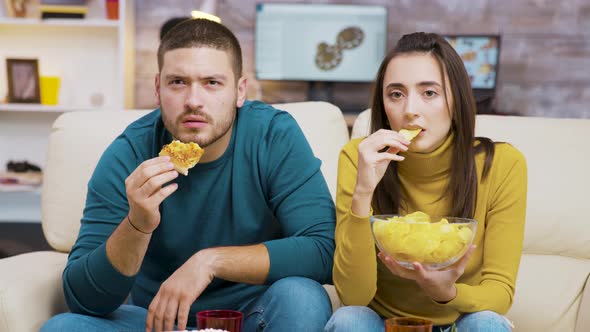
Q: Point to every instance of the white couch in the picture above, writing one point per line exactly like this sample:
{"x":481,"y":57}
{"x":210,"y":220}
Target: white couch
{"x":553,"y":284}
{"x":553,"y":291}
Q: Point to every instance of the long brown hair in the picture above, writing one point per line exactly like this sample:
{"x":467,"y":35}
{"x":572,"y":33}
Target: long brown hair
{"x":462,"y":186}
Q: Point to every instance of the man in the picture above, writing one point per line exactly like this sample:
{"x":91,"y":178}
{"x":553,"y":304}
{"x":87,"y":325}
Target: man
{"x":250,"y":228}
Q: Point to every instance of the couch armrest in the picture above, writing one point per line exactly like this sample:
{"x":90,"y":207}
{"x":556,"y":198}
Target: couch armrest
{"x":30,"y":290}
{"x":583,"y":322}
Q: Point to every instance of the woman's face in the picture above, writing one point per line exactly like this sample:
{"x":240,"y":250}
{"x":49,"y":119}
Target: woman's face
{"x":413,"y":98}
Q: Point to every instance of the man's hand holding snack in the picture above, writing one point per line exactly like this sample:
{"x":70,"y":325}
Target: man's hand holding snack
{"x":146,"y":191}
{"x":145,"y":186}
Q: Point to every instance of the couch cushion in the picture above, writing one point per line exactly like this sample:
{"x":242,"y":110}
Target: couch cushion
{"x":362,"y":124}
{"x":325,"y":128}
{"x":548,"y":292}
{"x":558,"y":161}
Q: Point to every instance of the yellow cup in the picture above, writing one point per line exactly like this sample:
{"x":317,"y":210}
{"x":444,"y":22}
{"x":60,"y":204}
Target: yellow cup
{"x":49,"y":90}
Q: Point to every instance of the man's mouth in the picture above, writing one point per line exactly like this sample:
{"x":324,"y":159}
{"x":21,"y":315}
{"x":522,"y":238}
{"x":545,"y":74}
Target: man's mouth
{"x":194,"y":124}
{"x":194,"y":121}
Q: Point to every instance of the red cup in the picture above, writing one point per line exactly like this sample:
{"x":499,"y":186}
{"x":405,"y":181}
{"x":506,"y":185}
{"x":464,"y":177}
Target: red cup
{"x":229,"y":320}
{"x":408,"y":324}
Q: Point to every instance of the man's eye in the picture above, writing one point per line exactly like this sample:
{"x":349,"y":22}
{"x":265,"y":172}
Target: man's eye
{"x":177,"y":81}
{"x":213,"y":82}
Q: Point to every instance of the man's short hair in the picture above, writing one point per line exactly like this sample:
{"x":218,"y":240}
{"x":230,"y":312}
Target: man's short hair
{"x":202,"y":33}
{"x":171,"y":23}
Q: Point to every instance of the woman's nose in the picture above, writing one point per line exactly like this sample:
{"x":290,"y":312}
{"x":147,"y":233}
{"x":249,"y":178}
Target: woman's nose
{"x":411,"y":107}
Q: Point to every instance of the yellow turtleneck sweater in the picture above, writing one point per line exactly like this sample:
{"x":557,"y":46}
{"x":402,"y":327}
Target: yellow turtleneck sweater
{"x":488,"y":281}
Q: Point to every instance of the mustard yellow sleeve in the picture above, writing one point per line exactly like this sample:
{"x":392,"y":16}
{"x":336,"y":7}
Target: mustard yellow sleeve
{"x":355,"y":265}
{"x":503,"y":239}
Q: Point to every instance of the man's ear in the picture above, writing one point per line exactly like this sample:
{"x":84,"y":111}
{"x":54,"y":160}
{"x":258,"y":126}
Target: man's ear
{"x":157,"y":83}
{"x":242,"y":91}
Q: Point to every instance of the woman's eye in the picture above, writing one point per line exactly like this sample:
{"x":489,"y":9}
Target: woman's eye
{"x":430,"y":93}
{"x":395,"y":94}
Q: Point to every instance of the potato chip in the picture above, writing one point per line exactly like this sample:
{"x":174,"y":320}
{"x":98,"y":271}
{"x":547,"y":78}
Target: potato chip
{"x":409,"y":134}
{"x":417,"y":216}
{"x":465,"y":234}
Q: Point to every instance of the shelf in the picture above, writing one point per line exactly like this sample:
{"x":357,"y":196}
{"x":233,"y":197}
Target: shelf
{"x":20,"y":206}
{"x":40,"y":108}
{"x":90,"y":23}
{"x":20,"y":189}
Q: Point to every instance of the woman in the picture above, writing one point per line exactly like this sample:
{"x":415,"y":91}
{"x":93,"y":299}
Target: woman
{"x":444,"y":171}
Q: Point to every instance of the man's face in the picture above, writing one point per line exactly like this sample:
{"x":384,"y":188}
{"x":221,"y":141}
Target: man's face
{"x":413,"y":97}
{"x":198,"y":95}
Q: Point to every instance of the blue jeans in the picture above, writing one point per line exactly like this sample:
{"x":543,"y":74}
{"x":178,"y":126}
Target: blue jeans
{"x":357,"y":318}
{"x":290,"y":304}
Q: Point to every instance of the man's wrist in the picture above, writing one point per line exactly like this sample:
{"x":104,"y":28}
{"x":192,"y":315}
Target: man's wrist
{"x":207,"y":258}
{"x":137,"y":228}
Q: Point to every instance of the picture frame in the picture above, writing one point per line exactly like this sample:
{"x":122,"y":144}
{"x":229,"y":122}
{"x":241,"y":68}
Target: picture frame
{"x":23,"y":81}
{"x":15,"y":8}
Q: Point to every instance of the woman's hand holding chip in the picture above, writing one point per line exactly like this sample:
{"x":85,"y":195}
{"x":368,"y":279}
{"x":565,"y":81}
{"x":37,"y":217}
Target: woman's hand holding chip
{"x":375,"y":154}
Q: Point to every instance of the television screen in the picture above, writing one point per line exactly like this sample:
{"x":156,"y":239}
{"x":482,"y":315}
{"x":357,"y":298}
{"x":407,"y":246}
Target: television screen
{"x":319,"y":42}
{"x":480,"y":55}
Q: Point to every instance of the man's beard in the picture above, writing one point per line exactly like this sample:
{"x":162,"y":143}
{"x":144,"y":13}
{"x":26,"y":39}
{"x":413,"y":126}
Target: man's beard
{"x":217,"y":129}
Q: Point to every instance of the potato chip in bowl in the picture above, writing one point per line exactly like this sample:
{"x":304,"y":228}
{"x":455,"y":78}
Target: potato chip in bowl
{"x":434,"y":242}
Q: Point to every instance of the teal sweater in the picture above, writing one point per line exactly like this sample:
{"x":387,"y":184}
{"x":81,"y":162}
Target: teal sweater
{"x":266,"y":188}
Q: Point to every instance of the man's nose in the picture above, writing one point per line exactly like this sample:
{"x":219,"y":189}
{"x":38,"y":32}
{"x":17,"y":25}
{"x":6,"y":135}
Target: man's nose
{"x":194,"y":98}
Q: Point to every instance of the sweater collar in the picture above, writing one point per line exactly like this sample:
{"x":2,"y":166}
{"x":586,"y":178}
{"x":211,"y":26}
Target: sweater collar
{"x":428,"y":165}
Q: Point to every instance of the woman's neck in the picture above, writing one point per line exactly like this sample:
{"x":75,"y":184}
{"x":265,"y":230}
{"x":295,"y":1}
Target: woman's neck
{"x":428,"y":166}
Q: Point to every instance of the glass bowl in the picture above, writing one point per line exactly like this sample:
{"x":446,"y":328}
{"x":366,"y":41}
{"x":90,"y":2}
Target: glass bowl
{"x":434,"y":242}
